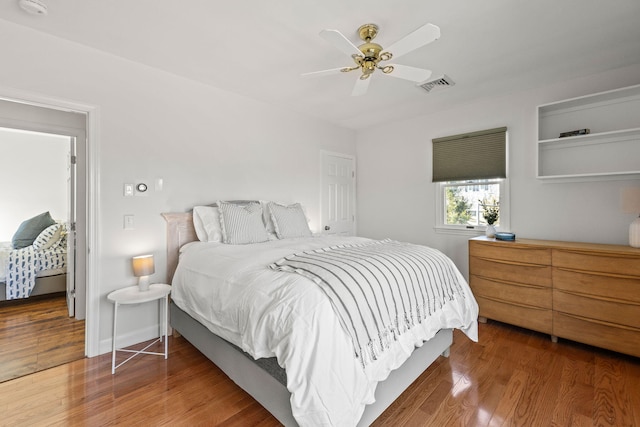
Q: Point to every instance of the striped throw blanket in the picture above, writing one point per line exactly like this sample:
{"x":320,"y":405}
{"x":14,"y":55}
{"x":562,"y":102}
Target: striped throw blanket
{"x":379,"y":289}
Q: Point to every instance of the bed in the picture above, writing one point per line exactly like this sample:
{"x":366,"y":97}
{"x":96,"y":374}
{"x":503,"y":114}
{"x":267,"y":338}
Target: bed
{"x":276,"y":356}
{"x":38,"y":268}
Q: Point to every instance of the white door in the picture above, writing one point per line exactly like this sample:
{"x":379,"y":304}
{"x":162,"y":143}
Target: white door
{"x":338,"y":194}
{"x":71,"y":227}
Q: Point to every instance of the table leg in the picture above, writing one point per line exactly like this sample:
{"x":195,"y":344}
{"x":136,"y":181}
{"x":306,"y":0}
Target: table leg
{"x":160,"y":317}
{"x":113,"y":352}
{"x":166,"y":326}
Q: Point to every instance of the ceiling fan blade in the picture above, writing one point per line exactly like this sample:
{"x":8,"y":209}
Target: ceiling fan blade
{"x":338,"y":39}
{"x":361,"y":86}
{"x":323,"y":72}
{"x":410,"y":73}
{"x":420,"y":37}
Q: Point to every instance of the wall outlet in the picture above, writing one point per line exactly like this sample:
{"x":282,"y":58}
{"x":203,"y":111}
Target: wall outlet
{"x":129,"y":222}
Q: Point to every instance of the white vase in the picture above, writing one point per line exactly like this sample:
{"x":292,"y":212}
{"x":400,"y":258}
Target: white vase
{"x":491,"y":231}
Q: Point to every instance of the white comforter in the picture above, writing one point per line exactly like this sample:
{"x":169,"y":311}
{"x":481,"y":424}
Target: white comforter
{"x":231,"y":290}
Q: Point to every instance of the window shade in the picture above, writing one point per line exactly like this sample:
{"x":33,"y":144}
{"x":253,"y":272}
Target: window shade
{"x":468,"y":156}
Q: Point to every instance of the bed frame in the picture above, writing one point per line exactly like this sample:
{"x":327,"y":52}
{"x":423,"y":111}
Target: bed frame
{"x":255,"y":380}
{"x":44,"y":285}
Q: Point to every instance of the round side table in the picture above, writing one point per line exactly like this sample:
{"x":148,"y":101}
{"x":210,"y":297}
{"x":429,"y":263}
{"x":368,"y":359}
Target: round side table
{"x":132,"y":295}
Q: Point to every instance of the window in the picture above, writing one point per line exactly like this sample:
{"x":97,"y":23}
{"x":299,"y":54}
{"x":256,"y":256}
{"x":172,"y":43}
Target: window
{"x":470,"y":172}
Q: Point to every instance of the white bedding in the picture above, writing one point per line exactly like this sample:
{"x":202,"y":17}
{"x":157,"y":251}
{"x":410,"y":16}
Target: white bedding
{"x":231,"y":290}
{"x":5,"y":248}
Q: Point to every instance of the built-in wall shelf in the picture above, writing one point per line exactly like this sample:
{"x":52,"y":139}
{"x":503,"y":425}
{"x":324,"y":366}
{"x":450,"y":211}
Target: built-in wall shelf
{"x":612,"y":148}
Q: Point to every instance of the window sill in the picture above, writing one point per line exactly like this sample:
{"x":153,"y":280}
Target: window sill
{"x":476,"y":231}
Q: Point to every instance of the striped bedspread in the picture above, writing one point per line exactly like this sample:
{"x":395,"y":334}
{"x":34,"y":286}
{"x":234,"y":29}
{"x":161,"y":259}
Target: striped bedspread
{"x":379,"y":289}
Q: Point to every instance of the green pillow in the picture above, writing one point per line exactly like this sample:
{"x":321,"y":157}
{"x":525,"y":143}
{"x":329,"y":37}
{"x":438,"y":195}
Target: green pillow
{"x":30,"y":229}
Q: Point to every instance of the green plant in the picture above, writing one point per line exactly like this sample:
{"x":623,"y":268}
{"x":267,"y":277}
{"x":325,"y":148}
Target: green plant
{"x":490,"y":210}
{"x":458,"y":208}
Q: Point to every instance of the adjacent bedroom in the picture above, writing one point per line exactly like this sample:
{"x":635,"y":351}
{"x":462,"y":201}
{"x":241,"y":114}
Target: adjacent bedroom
{"x":38,"y":331}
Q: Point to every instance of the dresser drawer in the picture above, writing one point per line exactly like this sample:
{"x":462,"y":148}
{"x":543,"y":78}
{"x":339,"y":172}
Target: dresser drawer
{"x":601,"y":334}
{"x":597,"y":308}
{"x":536,"y":296}
{"x":603,"y":262}
{"x":508,"y":271}
{"x":537,"y":319}
{"x":598,"y":284}
{"x":508,"y":251}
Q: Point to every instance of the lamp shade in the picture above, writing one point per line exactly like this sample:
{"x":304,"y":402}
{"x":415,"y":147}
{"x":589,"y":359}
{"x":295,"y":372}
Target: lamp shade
{"x":143,"y":265}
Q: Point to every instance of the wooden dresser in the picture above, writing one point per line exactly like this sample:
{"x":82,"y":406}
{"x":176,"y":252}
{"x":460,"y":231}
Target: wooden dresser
{"x":579,"y":291}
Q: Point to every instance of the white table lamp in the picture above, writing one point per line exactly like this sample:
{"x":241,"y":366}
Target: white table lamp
{"x":631,"y":204}
{"x":143,"y":267}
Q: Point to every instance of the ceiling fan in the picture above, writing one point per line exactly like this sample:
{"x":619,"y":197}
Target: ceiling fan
{"x":369,"y":56}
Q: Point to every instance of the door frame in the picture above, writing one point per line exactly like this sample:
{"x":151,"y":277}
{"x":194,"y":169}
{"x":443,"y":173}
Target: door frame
{"x":92,"y":112}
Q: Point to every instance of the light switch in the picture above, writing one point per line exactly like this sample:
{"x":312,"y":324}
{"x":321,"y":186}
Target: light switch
{"x":128,"y":222}
{"x":128,"y":190}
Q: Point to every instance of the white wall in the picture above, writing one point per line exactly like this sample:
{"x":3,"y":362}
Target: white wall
{"x":205,"y":144}
{"x":396,"y":196}
{"x":33,"y":178}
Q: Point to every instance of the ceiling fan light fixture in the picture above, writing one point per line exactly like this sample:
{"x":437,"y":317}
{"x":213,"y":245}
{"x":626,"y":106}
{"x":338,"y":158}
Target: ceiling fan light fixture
{"x":368,"y":55}
{"x":388,"y":69}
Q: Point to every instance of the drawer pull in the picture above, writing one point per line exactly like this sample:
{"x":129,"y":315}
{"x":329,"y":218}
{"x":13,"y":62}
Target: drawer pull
{"x":531,"y":307}
{"x":506,"y":282}
{"x":600,"y":322}
{"x":598,"y":297}
{"x":597,"y":273}
{"x":521,"y":264}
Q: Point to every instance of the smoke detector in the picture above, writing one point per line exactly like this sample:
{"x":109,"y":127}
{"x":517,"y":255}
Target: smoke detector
{"x":34,"y":7}
{"x":442,"y":81}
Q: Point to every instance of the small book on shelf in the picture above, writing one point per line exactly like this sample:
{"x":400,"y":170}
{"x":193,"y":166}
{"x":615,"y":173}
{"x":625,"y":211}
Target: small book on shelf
{"x":575,"y":133}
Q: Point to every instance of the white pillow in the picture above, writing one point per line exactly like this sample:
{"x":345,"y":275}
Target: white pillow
{"x":206,"y":221}
{"x":48,"y":237}
{"x":266,"y":217}
{"x":242,"y":224}
{"x":289,"y":221}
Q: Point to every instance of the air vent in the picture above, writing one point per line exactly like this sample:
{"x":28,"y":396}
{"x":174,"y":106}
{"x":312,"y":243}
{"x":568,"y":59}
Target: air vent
{"x":442,"y":81}
{"x":34,"y":7}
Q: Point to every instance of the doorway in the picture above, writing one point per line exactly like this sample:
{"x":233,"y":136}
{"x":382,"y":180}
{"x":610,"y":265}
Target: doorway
{"x":70,"y":127}
{"x":41,"y":331}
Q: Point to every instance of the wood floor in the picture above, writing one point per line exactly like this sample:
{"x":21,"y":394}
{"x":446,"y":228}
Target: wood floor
{"x":512,"y":377}
{"x":36,"y":335}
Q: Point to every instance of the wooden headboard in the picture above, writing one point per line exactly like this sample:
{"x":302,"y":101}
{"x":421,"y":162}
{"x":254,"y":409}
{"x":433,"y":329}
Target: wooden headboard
{"x":180,"y":231}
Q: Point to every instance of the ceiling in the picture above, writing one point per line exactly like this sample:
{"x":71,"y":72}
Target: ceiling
{"x":259,"y":48}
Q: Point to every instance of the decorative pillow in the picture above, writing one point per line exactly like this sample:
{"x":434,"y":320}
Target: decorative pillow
{"x":30,"y":229}
{"x":289,"y":221}
{"x":48,"y":238}
{"x":242,"y":224}
{"x":206,"y":220}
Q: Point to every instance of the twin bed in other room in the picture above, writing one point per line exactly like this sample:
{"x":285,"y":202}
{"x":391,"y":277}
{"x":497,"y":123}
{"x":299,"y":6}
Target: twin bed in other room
{"x":333,"y":328}
{"x":35,"y":261}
